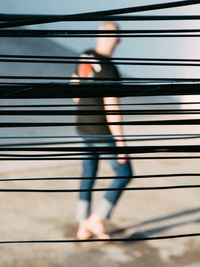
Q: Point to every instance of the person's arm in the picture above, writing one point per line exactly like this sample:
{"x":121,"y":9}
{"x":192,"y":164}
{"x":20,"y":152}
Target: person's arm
{"x":112,"y":103}
{"x":84,"y":70}
{"x":75,"y":81}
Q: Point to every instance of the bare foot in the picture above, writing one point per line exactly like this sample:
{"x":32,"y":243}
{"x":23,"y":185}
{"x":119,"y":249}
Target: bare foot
{"x":83,"y":232}
{"x":97,"y":226}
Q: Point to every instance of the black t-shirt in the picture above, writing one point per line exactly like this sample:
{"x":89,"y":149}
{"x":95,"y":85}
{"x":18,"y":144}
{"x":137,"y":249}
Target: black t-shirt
{"x":97,"y":71}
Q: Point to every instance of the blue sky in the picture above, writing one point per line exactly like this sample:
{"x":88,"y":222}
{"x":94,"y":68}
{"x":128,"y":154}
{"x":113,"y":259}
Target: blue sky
{"x":137,"y":47}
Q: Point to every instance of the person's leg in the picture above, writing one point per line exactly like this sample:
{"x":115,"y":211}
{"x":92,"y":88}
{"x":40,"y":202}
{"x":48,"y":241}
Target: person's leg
{"x":94,"y":225}
{"x":96,"y":221}
{"x":89,"y":170}
{"x":84,"y":203}
{"x":110,"y":199}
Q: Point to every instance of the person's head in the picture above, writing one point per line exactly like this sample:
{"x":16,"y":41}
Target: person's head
{"x":107,"y":45}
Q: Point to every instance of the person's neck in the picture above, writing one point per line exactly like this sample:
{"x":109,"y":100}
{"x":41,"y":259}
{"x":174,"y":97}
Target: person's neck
{"x":104,"y":52}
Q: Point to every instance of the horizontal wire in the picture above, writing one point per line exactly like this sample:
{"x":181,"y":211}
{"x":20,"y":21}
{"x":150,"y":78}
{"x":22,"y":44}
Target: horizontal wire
{"x":137,"y":36}
{"x":108,"y":18}
{"x":152,"y":176}
{"x":104,"y":158}
{"x":95,"y":58}
{"x":70,"y":34}
{"x":66,"y":81}
{"x":87,"y":156}
{"x":136,"y":139}
{"x":25,"y":190}
{"x":47,"y":155}
{"x":103,"y":80}
{"x":130,"y":239}
{"x":115,"y":149}
{"x":97,"y":112}
{"x":64,"y":124}
{"x":83,"y":156}
{"x":63,"y":90}
{"x":103,"y":63}
{"x":89,"y":136}
{"x":89,"y":33}
{"x":23,"y":20}
{"x":81,"y":142}
{"x":98,"y":105}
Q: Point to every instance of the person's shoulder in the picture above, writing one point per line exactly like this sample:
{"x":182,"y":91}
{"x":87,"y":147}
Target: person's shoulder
{"x":93,"y":59}
{"x":88,"y":52}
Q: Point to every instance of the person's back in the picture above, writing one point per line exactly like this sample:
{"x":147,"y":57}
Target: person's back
{"x":95,"y":69}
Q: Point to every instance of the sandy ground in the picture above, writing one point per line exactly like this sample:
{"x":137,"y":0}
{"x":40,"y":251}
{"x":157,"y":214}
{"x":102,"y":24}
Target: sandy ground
{"x":26,"y":216}
{"x":40,"y":216}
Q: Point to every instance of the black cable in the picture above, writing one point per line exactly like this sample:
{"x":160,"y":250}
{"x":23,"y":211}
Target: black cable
{"x":63,"y":90}
{"x":89,"y":136}
{"x":23,"y":20}
{"x":87,"y":156}
{"x":153,"y":36}
{"x":113,"y":149}
{"x":100,"y":33}
{"x":64,"y":124}
{"x":136,"y":139}
{"x":103,"y":63}
{"x":81,"y":142}
{"x":101,"y":158}
{"x":82,"y":156}
{"x":98,"y":105}
{"x":152,"y":176}
{"x":144,"y":18}
{"x":95,"y":58}
{"x":100,"y":150}
{"x":25,"y":190}
{"x":109,"y":36}
{"x":130,"y":239}
{"x":98,"y":112}
{"x":46,"y":155}
{"x":90,"y":33}
{"x":108,"y":150}
{"x":99,"y":141}
{"x":135,"y":81}
{"x":71,"y":112}
{"x":104,"y":81}
{"x":107,"y":18}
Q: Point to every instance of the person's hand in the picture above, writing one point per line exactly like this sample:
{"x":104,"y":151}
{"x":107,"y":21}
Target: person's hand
{"x":121,"y":158}
{"x":75,"y":81}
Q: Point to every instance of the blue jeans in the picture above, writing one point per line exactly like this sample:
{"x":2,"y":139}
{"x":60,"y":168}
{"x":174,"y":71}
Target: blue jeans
{"x":89,"y":170}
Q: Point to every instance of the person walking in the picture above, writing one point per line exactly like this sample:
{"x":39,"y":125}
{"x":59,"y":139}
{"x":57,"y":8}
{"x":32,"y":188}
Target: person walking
{"x":93,"y":222}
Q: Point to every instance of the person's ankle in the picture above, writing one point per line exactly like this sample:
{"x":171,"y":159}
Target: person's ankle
{"x":96,"y":218}
{"x":82,"y":231}
{"x":97,"y":225}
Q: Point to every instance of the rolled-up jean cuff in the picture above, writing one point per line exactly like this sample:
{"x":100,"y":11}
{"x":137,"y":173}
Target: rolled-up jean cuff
{"x":83,"y":210}
{"x":104,"y":209}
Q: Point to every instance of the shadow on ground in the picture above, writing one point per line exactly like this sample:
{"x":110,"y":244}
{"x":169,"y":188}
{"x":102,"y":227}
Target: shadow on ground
{"x":189,"y":216}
